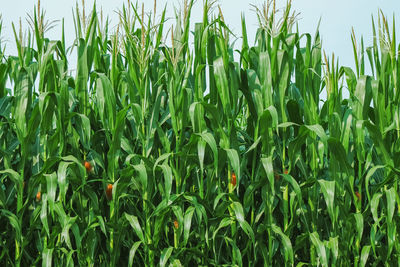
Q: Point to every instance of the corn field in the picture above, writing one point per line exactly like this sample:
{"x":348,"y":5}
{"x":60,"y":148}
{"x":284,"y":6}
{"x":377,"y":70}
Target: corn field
{"x":171,"y":147}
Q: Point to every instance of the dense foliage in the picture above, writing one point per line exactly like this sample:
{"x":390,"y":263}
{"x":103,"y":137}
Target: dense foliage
{"x":157,"y":152}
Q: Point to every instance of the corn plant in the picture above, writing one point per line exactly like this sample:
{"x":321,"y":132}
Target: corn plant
{"x":157,"y":152}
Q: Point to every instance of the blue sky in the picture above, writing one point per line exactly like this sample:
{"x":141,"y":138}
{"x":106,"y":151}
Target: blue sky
{"x":337,"y":18}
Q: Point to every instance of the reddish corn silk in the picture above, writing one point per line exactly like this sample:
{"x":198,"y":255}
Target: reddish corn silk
{"x":38,"y":196}
{"x":358,"y":195}
{"x":276,"y":176}
{"x":109,"y":191}
{"x":233,"y":179}
{"x":88,"y":166}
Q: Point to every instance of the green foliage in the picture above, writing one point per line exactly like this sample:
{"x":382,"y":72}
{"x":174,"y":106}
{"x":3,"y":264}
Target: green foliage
{"x":173,"y":155}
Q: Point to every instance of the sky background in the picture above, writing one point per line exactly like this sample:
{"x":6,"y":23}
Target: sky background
{"x":337,"y":18}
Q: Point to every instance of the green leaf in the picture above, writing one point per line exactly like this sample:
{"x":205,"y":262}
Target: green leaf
{"x":210,"y":140}
{"x":165,"y":254}
{"x":318,"y":130}
{"x":287,"y":245}
{"x":328,"y":190}
{"x":132,"y":252}
{"x":239,"y":215}
{"x":339,"y":154}
{"x":187,"y":222}
{"x":113,"y":153}
{"x":62,"y":178}
{"x":43,"y":214}
{"x":15,"y":177}
{"x":134,"y":222}
{"x":320,"y":248}
{"x":142,"y":176}
{"x":222,"y":224}
{"x":391,"y":201}
{"x":359,"y":225}
{"x":82,"y":73}
{"x":106,"y":101}
{"x":83,"y":129}
{"x":222,"y":85}
{"x":234,"y":161}
{"x":51,"y":182}
{"x":364,"y":255}
{"x":295,"y":186}
{"x":374,"y":206}
{"x":167,"y":179}
{"x":23,"y":95}
{"x":15,"y":223}
{"x":201,"y":147}
{"x":47,"y":257}
{"x":268,"y":168}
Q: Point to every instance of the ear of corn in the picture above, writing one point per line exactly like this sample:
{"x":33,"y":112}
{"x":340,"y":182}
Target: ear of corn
{"x":199,"y":159}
